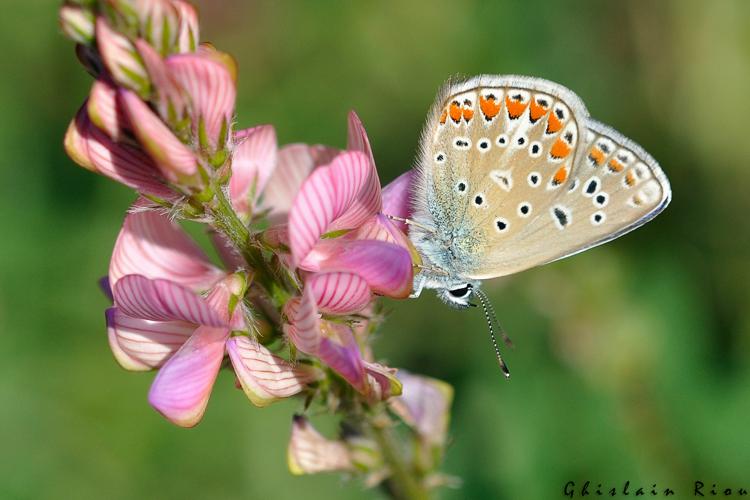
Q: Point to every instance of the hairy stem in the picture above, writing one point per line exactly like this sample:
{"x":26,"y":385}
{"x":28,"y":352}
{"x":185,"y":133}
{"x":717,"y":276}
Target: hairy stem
{"x":402,"y":483}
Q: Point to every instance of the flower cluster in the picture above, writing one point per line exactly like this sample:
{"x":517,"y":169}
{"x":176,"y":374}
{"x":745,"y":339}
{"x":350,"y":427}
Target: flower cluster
{"x":302,"y":232}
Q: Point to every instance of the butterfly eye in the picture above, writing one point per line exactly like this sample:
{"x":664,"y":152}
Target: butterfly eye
{"x":462,"y":292}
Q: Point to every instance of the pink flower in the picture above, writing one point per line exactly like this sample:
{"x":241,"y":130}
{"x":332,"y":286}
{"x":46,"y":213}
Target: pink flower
{"x":193,"y":88}
{"x":161,"y":319}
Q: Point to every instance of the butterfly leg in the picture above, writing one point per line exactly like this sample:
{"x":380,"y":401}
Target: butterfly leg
{"x":418,"y":287}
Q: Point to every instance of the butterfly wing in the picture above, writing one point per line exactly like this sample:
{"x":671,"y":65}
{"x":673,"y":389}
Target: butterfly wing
{"x":514,"y":174}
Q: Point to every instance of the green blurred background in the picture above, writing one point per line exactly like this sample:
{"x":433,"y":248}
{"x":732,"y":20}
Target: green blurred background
{"x":631,"y":360}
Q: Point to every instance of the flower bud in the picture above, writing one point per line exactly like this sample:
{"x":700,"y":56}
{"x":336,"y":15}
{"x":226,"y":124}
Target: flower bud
{"x":77,"y":23}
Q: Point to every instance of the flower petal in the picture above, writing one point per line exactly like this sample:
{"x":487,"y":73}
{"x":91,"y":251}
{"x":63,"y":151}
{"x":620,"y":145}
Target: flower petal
{"x":77,"y":23}
{"x":182,"y":387}
{"x":339,"y":293}
{"x":340,"y":351}
{"x":397,"y":198}
{"x":226,"y":250}
{"x":212,"y":92}
{"x":76,"y":140}
{"x":162,"y":300}
{"x":294,"y":164}
{"x":103,"y":110}
{"x":226,"y":297}
{"x":158,"y":23}
{"x":175,"y":160}
{"x":304,"y":322}
{"x":120,"y":58}
{"x":168,"y":98}
{"x":333,"y":197}
{"x":357,"y":137}
{"x":152,"y":245}
{"x":310,"y":453}
{"x":187,"y":34}
{"x":386,"y":267}
{"x":425,"y":405}
{"x":140,"y":344}
{"x":265,"y":377}
{"x":253,"y":162}
{"x":382,"y":381}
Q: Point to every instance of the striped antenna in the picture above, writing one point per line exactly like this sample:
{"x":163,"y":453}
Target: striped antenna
{"x":489,"y":316}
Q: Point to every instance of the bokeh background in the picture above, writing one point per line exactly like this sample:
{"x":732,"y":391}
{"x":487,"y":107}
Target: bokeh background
{"x":631,"y":360}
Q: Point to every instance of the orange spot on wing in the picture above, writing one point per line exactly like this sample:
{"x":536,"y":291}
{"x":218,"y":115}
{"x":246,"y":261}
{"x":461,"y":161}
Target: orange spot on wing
{"x":490,"y":107}
{"x":553,"y":123}
{"x":615,"y":166}
{"x":560,"y":176}
{"x":537,"y":111}
{"x":560,"y":149}
{"x":443,"y":117}
{"x":468,"y":114}
{"x":630,"y":178}
{"x":515,"y":108}
{"x":455,"y":112}
{"x":597,"y":156}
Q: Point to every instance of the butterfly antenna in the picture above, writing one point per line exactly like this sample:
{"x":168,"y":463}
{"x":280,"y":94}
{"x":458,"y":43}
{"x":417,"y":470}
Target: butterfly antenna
{"x":489,"y":316}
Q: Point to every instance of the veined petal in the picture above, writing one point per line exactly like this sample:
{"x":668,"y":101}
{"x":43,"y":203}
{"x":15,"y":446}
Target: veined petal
{"x":76,"y":140}
{"x":333,"y":197}
{"x":264,"y":377}
{"x":339,"y":293}
{"x":310,"y":453}
{"x":169,"y":98}
{"x":140,"y":344}
{"x":77,"y":23}
{"x":294,"y":164}
{"x":386,"y":267}
{"x":397,"y":198}
{"x":253,"y":162}
{"x":187,"y":34}
{"x":103,"y":110}
{"x":382,"y":381}
{"x":159,"y":23}
{"x":152,"y":245}
{"x":382,"y":228}
{"x":357,"y":137}
{"x":425,"y":405}
{"x":339,"y":350}
{"x":182,"y":387}
{"x":162,"y":300}
{"x":304,"y":322}
{"x":93,"y":149}
{"x":175,"y":160}
{"x":120,"y":58}
{"x":211,"y":90}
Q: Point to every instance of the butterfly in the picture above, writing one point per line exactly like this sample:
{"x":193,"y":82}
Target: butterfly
{"x":513,"y":173}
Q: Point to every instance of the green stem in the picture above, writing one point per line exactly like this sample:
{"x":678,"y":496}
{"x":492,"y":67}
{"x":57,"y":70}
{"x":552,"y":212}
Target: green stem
{"x":226,"y":220}
{"x":402,"y":484}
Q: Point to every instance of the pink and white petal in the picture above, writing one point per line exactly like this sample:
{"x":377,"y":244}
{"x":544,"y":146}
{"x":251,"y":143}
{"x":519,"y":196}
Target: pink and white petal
{"x":162,"y":300}
{"x":253,"y":162}
{"x":140,"y":344}
{"x":357,"y":136}
{"x":169,"y":95}
{"x":159,"y":22}
{"x":123,"y":163}
{"x":357,"y":190}
{"x":382,"y":381}
{"x":152,"y":245}
{"x":211,"y":89}
{"x":264,"y":377}
{"x":103,"y":109}
{"x":174,"y":159}
{"x":331,"y":199}
{"x":76,"y":139}
{"x":386,"y":267}
{"x":226,"y":297}
{"x":294,"y":164}
{"x":340,"y":351}
{"x":120,"y":58}
{"x":397,"y":198}
{"x":303,"y":329}
{"x":425,"y":405}
{"x":188,"y":34}
{"x":311,"y":453}
{"x":339,"y":293}
{"x":183,"y":385}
